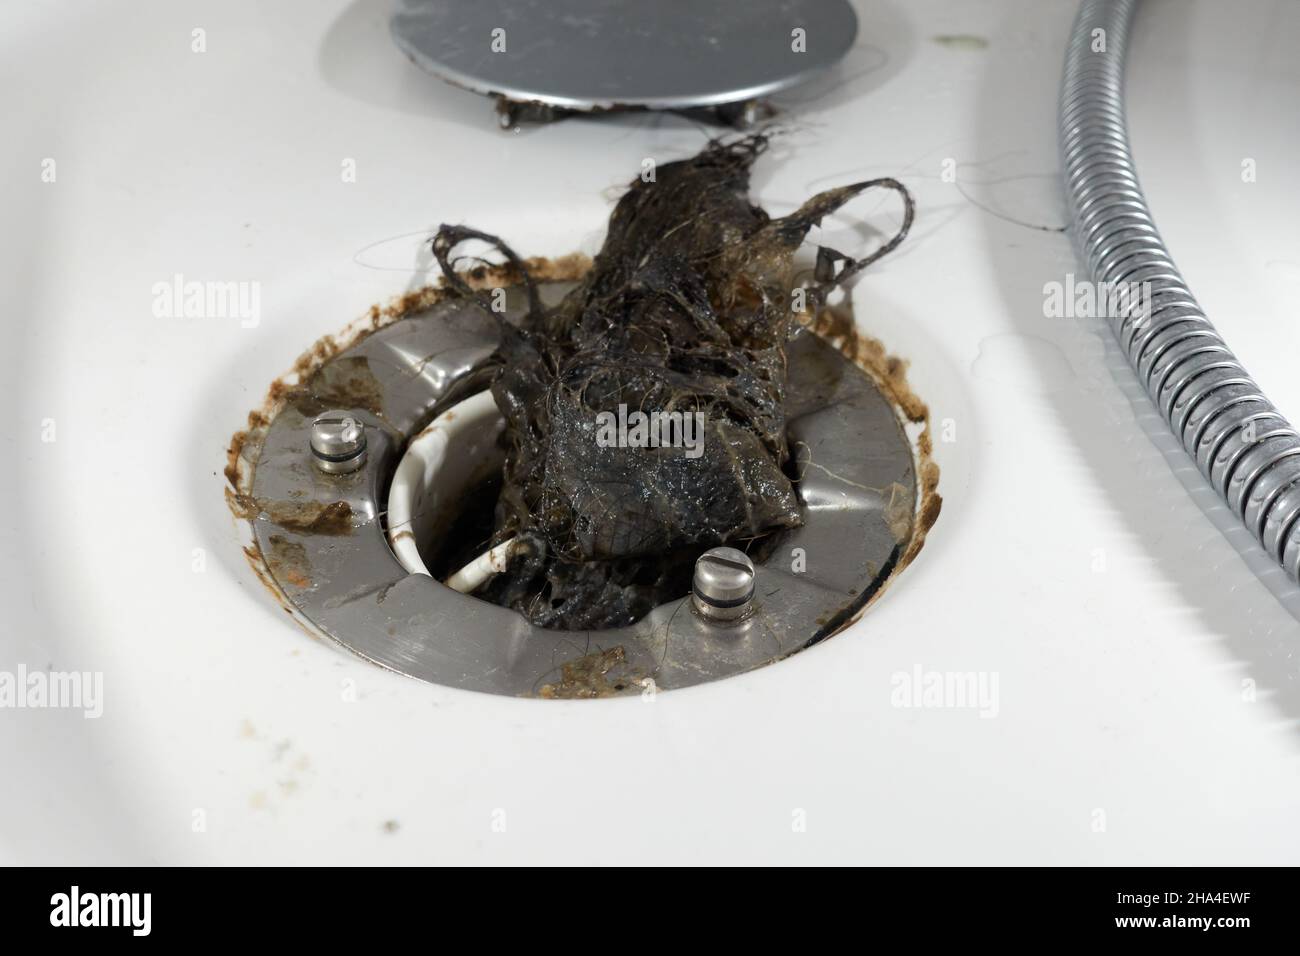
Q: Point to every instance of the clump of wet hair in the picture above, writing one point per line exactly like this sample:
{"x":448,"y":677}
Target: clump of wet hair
{"x":687,"y":309}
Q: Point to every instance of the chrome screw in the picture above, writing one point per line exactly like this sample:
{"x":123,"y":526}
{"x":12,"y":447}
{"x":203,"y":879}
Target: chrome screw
{"x":338,"y":442}
{"x":724,"y":584}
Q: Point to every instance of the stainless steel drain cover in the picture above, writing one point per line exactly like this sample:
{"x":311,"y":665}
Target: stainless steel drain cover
{"x":321,"y":539}
{"x":588,"y":55}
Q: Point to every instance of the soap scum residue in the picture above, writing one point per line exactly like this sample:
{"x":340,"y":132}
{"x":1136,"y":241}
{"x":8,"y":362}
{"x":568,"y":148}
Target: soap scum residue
{"x":591,"y":676}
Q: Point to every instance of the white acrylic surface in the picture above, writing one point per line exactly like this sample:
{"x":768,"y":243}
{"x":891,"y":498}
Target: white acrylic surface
{"x":1069,"y":559}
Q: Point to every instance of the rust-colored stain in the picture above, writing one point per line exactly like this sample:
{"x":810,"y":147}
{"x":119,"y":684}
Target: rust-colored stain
{"x":588,"y":677}
{"x":309,"y":517}
{"x":342,"y":383}
{"x":288,"y":562}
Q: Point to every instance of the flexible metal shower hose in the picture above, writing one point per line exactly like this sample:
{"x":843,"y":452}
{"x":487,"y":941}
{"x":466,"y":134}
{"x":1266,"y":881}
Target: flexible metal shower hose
{"x":1245,"y":448}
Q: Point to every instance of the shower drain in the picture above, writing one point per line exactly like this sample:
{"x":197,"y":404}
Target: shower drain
{"x":318,"y":498}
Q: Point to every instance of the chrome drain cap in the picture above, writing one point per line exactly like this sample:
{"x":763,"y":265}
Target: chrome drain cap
{"x":593,"y":55}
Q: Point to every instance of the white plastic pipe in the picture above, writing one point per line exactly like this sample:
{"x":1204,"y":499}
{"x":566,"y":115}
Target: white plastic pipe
{"x":434,"y":473}
{"x":475,"y":574}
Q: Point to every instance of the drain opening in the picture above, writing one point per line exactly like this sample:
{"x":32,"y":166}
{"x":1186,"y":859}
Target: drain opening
{"x":442,"y":513}
{"x":468,"y":535}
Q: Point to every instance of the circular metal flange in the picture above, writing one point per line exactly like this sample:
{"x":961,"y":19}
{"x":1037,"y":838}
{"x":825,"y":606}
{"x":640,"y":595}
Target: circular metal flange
{"x":323,"y":540}
{"x":589,"y":55}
